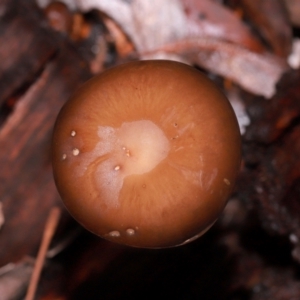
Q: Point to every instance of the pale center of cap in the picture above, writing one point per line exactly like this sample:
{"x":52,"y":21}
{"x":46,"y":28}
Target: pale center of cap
{"x":143,"y":145}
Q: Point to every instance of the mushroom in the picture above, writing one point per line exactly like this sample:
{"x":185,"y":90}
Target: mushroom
{"x":147,"y":153}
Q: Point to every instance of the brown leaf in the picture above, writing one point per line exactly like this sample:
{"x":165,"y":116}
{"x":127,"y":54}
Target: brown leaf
{"x":272,"y":22}
{"x":271,"y":119}
{"x":293,"y":7}
{"x":14,"y":279}
{"x":20,"y":36}
{"x":141,"y":21}
{"x":27,"y":187}
{"x":210,"y":19}
{"x":256,"y":73}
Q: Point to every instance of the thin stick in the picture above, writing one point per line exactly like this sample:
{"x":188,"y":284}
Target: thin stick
{"x":49,"y":231}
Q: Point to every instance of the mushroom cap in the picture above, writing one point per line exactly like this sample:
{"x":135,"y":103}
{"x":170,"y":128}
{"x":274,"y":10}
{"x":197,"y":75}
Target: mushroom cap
{"x":147,"y":153}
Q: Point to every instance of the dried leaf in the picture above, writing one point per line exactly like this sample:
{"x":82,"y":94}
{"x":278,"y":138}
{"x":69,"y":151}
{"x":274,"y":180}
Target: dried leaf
{"x":27,"y":187}
{"x":293,"y":7}
{"x":211,"y":19}
{"x":218,"y":42}
{"x":141,"y":21}
{"x":256,"y":73}
{"x":271,"y":20}
{"x":271,"y":119}
{"x":14,"y":279}
{"x":122,"y":43}
{"x":294,"y":57}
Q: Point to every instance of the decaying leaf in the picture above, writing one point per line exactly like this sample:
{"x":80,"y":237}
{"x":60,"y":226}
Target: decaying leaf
{"x":256,"y":73}
{"x":272,"y":22}
{"x":208,"y":18}
{"x":204,"y":33}
{"x":293,"y":7}
{"x":27,"y":188}
{"x":294,"y":57}
{"x":14,"y":279}
{"x":141,"y":21}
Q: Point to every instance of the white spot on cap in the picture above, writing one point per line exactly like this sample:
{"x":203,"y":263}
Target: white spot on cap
{"x":130,"y":231}
{"x":75,"y":151}
{"x":127,"y":152}
{"x":64,"y":156}
{"x":73,"y":133}
{"x":114,"y":233}
{"x":117,"y":168}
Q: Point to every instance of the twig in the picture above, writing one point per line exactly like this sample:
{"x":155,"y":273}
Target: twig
{"x":49,"y":231}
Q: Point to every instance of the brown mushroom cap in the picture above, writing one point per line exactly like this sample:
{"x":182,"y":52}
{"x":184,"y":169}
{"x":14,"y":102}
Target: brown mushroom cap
{"x":146,"y":154}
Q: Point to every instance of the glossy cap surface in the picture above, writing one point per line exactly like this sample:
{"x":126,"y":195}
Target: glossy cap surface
{"x":146,"y":154}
